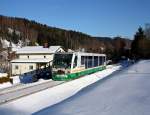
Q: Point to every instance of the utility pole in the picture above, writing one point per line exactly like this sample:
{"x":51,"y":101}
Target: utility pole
{"x":9,"y":58}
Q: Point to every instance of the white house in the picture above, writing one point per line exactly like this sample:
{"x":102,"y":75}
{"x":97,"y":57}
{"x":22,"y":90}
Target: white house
{"x":31,"y":58}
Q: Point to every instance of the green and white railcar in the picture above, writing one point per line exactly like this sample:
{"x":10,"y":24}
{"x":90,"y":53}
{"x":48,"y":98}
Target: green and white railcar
{"x":68,"y":66}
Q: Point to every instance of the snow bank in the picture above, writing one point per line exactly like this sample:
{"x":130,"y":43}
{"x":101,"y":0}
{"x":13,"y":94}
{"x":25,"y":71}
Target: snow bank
{"x":38,"y":101}
{"x":16,"y":79}
{"x":8,"y":84}
{"x":5,"y":85}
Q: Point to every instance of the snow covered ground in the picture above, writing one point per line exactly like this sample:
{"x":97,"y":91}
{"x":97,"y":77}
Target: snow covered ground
{"x":4,"y":85}
{"x":41,"y":100}
{"x":124,"y":93}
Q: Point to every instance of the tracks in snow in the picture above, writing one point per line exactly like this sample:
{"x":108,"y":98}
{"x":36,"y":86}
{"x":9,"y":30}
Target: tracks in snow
{"x":21,"y":90}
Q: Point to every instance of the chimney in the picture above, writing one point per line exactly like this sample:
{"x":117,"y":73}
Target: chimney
{"x":45,"y":45}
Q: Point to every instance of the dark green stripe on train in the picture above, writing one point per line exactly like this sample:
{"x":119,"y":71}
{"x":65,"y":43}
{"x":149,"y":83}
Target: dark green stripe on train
{"x":71,"y":76}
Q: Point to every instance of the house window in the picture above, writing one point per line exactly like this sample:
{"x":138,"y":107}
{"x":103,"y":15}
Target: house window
{"x":82,"y":60}
{"x":16,"y":67}
{"x":44,"y":56}
{"x":31,"y":67}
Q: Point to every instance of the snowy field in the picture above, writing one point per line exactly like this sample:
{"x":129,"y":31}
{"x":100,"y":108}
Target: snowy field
{"x":4,"y":85}
{"x":41,"y":100}
{"x":124,"y":93}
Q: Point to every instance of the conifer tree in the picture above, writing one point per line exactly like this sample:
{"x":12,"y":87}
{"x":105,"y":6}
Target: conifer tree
{"x":137,"y":46}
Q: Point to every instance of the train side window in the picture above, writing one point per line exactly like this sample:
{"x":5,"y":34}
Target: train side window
{"x":90,"y":61}
{"x":95,"y":61}
{"x":100,"y":60}
{"x":82,"y":60}
{"x":86,"y":61}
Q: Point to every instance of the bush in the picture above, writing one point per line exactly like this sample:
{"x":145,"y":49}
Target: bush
{"x":4,"y":79}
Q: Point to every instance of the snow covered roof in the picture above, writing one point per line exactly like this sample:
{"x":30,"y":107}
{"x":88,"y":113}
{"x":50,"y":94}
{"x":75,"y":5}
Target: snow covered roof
{"x":31,"y":60}
{"x":37,"y":50}
{"x":70,"y":50}
{"x":3,"y":75}
{"x":54,"y":49}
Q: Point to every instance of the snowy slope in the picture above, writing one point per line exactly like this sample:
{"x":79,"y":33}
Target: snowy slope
{"x":38,"y":101}
{"x":124,"y":93}
{"x":6,"y":44}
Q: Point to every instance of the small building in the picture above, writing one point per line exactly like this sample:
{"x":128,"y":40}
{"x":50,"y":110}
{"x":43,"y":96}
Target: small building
{"x":31,"y":58}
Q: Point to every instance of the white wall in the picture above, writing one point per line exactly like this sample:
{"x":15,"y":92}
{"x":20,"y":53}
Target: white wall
{"x":36,"y":56}
{"x":22,"y":68}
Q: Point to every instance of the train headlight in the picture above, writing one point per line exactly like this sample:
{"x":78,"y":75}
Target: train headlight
{"x":61,"y":72}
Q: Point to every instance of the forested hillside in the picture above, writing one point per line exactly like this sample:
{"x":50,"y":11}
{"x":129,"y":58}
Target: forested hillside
{"x":140,"y":46}
{"x":32,"y":33}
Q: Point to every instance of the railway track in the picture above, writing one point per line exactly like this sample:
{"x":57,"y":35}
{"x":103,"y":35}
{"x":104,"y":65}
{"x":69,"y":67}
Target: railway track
{"x":21,"y":90}
{"x":10,"y":88}
{"x":19,"y":86}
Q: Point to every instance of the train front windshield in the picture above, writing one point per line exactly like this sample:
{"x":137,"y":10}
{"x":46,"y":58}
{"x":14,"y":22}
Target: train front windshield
{"x":62,"y":61}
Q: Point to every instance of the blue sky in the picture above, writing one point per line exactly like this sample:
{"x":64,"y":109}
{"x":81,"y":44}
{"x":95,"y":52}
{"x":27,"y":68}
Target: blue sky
{"x":94,"y":17}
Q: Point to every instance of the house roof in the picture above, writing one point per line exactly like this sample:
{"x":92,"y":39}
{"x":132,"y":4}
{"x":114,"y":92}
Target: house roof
{"x":37,"y":50}
{"x":31,"y":61}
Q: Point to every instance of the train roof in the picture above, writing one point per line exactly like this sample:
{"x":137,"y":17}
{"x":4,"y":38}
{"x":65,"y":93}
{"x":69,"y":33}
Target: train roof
{"x":82,"y":53}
